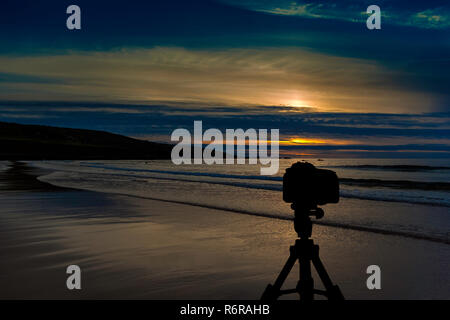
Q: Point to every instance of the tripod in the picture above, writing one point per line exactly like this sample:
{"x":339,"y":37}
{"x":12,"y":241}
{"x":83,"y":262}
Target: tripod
{"x":305,"y":251}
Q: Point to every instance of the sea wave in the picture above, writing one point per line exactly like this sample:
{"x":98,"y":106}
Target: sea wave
{"x":400,"y":167}
{"x":397,"y":184}
{"x":93,"y":182}
{"x":382,"y":209}
{"x":363,"y":189}
{"x":368,"y":183}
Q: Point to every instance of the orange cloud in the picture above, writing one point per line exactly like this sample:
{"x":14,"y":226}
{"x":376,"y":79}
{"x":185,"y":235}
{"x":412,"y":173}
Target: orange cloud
{"x":315,"y":141}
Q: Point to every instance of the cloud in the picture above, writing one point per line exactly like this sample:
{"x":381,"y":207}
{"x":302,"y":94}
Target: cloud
{"x":23,"y":78}
{"x":402,"y":13}
{"x":431,"y":18}
{"x":227,"y":77}
{"x":306,"y":10}
{"x":8,"y":116}
{"x":357,"y":128}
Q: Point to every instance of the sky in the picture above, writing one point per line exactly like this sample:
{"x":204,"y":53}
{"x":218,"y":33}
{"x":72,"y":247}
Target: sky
{"x":310,"y":68}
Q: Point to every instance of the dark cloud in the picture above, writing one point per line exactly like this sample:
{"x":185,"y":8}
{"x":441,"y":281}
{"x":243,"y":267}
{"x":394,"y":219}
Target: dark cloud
{"x":23,"y":78}
{"x":155,"y":120}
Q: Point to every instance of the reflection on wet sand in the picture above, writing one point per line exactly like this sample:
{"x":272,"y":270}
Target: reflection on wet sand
{"x":137,"y":248}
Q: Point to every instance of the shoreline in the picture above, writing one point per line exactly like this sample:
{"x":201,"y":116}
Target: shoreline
{"x":333,"y":224}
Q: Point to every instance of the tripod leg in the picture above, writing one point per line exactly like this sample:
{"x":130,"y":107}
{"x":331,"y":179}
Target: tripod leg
{"x":272,"y":292}
{"x":333,"y":291}
{"x":305,"y":285}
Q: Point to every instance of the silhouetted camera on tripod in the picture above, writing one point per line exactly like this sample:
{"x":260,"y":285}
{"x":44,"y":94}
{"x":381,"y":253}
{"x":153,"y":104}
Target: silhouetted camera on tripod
{"x":306,"y":187}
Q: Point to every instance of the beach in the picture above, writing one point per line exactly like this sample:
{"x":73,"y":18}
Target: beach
{"x":133,"y":248}
{"x":164,"y":150}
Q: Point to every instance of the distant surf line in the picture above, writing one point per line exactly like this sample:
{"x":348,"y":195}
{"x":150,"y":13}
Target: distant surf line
{"x":400,"y":167}
{"x":270,"y":187}
{"x":395,"y":184}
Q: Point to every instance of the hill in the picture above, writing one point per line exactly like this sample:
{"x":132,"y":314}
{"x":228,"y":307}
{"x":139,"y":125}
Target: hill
{"x":35,"y":142}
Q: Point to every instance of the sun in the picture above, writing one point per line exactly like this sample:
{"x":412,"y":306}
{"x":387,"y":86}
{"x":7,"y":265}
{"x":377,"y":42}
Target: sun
{"x":297,"y":104}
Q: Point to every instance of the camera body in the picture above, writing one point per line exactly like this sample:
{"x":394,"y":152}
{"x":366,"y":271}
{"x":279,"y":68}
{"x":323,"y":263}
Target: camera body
{"x":307,"y":186}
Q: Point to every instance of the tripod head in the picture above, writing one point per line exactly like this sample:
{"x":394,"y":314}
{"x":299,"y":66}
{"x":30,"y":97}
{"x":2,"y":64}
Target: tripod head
{"x":302,"y":218}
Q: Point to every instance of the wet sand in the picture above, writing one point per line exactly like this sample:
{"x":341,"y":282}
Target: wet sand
{"x":137,"y":248}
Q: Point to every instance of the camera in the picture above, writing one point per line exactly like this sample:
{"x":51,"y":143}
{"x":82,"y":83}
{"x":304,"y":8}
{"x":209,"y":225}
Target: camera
{"x":307,"y":186}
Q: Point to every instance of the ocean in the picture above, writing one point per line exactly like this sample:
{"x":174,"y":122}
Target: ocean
{"x":406,"y":197}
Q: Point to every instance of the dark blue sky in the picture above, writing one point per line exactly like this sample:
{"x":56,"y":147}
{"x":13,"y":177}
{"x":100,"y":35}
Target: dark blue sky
{"x":310,"y":68}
